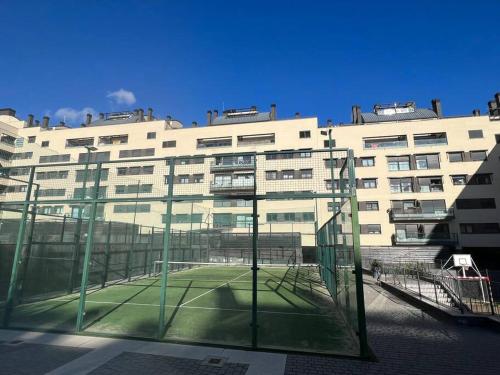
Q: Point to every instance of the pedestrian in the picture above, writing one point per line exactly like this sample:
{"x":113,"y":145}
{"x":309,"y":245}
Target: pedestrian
{"x":378,"y":273}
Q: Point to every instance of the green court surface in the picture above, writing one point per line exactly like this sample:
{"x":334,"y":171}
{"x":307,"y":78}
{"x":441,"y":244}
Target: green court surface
{"x":210,"y":304}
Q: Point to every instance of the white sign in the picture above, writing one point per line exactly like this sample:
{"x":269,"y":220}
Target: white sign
{"x":462,"y":260}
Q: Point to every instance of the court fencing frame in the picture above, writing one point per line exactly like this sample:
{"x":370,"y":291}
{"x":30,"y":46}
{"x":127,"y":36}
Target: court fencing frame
{"x":338,"y":250}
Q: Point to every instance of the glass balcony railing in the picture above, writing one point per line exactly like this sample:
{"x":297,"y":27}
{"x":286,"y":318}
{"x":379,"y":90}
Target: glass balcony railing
{"x":234,"y":185}
{"x":417,"y":214}
{"x":431,"y":141}
{"x":424,"y":238}
{"x":232,"y":164}
{"x":385,"y":144}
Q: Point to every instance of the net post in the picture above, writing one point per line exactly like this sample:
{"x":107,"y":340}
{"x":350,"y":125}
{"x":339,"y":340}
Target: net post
{"x":9,"y":303}
{"x":255,"y":224}
{"x":88,"y":250}
{"x":166,"y":245}
{"x":363,"y":340}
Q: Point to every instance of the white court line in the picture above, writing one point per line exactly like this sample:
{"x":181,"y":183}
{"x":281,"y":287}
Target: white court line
{"x":211,"y":290}
{"x":196,"y":307}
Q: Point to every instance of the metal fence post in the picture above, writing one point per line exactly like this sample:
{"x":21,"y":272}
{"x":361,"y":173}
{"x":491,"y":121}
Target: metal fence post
{"x":16,"y":262}
{"x":363,"y":339}
{"x":435,"y":288}
{"x":418,"y":282}
{"x":88,"y":251}
{"x":490,"y":294}
{"x":166,"y":246}
{"x":255,"y":222}
{"x":107,"y":250}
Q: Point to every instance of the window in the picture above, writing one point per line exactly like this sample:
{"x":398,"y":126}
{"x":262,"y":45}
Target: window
{"x":198,"y":178}
{"x":185,"y":218}
{"x":430,"y":184}
{"x":332,"y":204}
{"x":187,"y":161}
{"x":370,"y":229}
{"x":368,"y":206}
{"x":326,"y":143}
{"x":480,"y":179}
{"x":368,"y":162}
{"x":131,"y":208}
{"x":233,"y":203}
{"x":133,"y":189}
{"x":184,"y":179}
{"x":478,"y":203}
{"x":169,"y":144}
{"x":54,"y":158}
{"x":459,"y":179}
{"x":475,"y":134}
{"x":51,"y":192}
{"x":52,"y":175}
{"x":80,"y":175}
{"x":385,"y":142}
{"x":214,"y":142}
{"x":305,"y":134}
{"x":271,"y":175}
{"x":113,"y":140}
{"x":151,"y":135}
{"x":497,"y":138}
{"x":134,"y":171}
{"x":16,"y":188}
{"x":287,"y":175}
{"x":430,"y":139}
{"x":89,"y":192}
{"x":234,"y":221}
{"x":306,"y":173}
{"x":254,"y":139}
{"x":50,"y":210}
{"x":22,"y":155}
{"x":369,"y":183}
{"x":398,"y":163}
{"x":290,"y":217}
{"x":478,"y":155}
{"x":428,"y":161}
{"x":455,"y":157}
{"x":479,"y":228}
{"x":31,"y":139}
{"x":401,"y":185}
{"x":93,"y":157}
{"x":80,"y":142}
{"x":45,"y":143}
{"x":137,"y":153}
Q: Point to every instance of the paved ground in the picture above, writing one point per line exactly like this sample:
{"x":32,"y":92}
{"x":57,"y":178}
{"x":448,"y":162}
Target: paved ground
{"x":404,"y":339}
{"x":408,"y":341}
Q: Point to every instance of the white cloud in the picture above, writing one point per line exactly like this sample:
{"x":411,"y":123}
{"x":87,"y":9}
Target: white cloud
{"x":68,"y":114}
{"x":122,"y":97}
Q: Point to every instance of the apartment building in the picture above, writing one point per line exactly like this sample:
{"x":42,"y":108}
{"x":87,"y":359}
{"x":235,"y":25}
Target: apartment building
{"x":423,"y":179}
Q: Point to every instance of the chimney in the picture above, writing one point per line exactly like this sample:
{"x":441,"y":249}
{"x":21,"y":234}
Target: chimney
{"x":216,"y":114}
{"x":253,"y":108}
{"x":356,"y":114}
{"x":150,"y":114}
{"x":297,"y":114}
{"x":194,"y":124}
{"x":45,"y":122}
{"x":169,"y":118}
{"x":476,"y":112}
{"x":89,"y":119}
{"x":101,"y":116}
{"x":436,"y":107}
{"x":497,"y":99}
{"x":30,"y":121}
{"x":62,"y":123}
{"x":8,"y":112}
{"x":273,"y":112}
{"x":140,"y":113}
{"x":329,"y":122}
{"x":209,"y":117}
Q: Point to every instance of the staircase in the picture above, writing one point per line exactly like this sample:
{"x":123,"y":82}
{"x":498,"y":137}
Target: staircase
{"x":431,"y":291}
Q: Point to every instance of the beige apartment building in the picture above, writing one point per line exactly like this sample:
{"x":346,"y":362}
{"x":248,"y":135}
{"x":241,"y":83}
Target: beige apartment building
{"x":423,"y":179}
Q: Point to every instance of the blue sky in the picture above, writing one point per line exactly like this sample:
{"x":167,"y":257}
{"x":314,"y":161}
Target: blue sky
{"x":185,"y":57}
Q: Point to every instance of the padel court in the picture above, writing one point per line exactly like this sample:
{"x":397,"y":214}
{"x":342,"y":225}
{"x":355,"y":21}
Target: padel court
{"x":208,"y":304}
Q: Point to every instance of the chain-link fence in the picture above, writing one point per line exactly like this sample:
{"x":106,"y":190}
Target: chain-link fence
{"x":219,"y":249}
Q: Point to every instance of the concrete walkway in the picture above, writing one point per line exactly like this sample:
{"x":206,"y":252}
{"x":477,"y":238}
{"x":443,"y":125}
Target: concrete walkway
{"x":404,"y":339}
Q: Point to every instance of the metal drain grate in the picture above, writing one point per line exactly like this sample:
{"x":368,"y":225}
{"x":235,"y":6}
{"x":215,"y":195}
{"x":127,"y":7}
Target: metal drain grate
{"x":214,"y":361}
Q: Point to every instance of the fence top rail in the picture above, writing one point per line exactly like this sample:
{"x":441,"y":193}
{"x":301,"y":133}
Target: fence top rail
{"x":181,"y":157}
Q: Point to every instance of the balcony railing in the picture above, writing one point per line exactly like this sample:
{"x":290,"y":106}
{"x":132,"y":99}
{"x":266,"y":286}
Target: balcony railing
{"x":232,"y":165}
{"x":385,"y":144}
{"x":233,"y":186}
{"x":425,"y":239}
{"x":431,"y":141}
{"x":416,"y":214}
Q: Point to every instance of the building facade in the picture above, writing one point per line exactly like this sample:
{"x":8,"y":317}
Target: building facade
{"x":422,"y":179}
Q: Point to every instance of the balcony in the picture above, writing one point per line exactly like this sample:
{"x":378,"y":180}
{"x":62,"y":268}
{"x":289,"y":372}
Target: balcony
{"x":446,"y":239}
{"x":234,"y":187}
{"x":416,"y":214}
{"x":232,"y":165}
